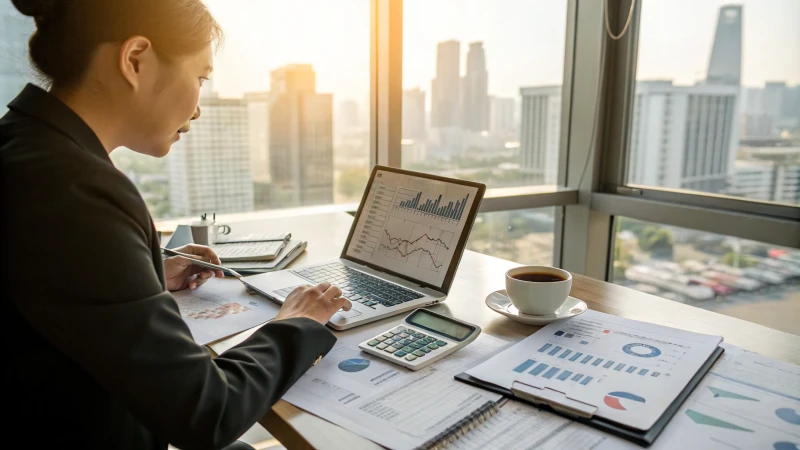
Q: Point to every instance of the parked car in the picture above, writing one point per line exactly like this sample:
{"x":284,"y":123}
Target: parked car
{"x":718,"y":288}
{"x":743,"y":283}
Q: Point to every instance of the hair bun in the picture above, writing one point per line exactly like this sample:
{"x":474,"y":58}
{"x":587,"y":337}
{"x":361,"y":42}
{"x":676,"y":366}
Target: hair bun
{"x":38,"y":9}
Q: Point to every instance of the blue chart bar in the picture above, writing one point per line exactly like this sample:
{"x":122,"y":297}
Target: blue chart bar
{"x":619,"y":367}
{"x":555,"y":350}
{"x":538,"y":369}
{"x":597,"y":361}
{"x":608,"y":364}
{"x":655,"y":374}
{"x":586,"y":381}
{"x":643,"y":372}
{"x":565,"y":354}
{"x":577,"y":377}
{"x":564,"y":375}
{"x":631,"y":369}
{"x":576,"y":356}
{"x":558,"y":333}
{"x":524,"y":366}
{"x":545,"y":347}
{"x":551,"y":372}
{"x":587,"y":359}
{"x":451,"y":210}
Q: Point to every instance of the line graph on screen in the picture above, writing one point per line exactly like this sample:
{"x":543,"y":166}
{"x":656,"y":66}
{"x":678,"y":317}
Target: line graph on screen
{"x":416,"y":244}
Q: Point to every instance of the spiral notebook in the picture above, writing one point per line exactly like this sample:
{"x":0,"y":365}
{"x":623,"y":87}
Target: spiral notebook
{"x":464,"y":426}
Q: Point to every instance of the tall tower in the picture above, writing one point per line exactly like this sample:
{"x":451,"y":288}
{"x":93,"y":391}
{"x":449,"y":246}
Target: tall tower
{"x":15,"y":29}
{"x":445,"y":91}
{"x":725,"y":65}
{"x":475,"y":85}
{"x":300,"y":138}
{"x":540,"y":133}
{"x":414,"y":114}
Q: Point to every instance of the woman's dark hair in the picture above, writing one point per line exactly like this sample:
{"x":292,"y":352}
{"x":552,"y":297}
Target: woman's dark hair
{"x":69,"y":31}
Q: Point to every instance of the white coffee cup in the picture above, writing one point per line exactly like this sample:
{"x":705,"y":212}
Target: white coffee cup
{"x":205,"y":232}
{"x":538,"y":298}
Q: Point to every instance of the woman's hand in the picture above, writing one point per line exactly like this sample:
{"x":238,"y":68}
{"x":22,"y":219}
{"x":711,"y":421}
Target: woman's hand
{"x":181,"y":273}
{"x":317,"y":303}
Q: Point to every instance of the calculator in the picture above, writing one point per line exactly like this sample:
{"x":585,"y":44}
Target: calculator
{"x":423,"y":338}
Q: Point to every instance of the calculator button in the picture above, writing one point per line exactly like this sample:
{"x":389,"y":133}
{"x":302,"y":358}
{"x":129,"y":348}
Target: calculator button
{"x":418,"y":353}
{"x":441,"y":343}
{"x":388,"y":334}
{"x":408,"y":349}
{"x":381,"y":346}
{"x":403,"y":335}
{"x":390,"y":349}
{"x":425,"y":349}
{"x":406,"y":341}
{"x":410,"y":357}
{"x":400,"y":353}
{"x":417,"y":345}
{"x":419,"y":335}
{"x":433,"y":346}
{"x":430,"y":340}
{"x":390,"y":341}
{"x":381,"y":338}
{"x":401,"y":328}
{"x":373,"y":343}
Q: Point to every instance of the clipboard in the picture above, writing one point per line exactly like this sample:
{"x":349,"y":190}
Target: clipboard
{"x":583,"y":415}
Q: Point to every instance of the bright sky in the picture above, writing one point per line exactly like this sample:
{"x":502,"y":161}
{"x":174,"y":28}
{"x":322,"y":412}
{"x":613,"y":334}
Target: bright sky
{"x":523,"y":40}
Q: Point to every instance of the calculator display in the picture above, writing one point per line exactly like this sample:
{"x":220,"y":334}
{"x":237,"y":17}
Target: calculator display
{"x":441,"y":325}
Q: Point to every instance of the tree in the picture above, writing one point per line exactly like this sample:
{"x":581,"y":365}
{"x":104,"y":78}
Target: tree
{"x":656,"y":240}
{"x":634,"y":226}
{"x":352,"y":182}
{"x":741,"y":261}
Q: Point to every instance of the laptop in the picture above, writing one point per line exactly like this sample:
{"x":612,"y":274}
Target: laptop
{"x":402,"y":252}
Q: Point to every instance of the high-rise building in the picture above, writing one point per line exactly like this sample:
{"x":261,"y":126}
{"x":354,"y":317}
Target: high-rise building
{"x":15,"y":71}
{"x":347,"y":117}
{"x":501,"y":116}
{"x":475,"y":90}
{"x":683,"y":136}
{"x":725,"y":64}
{"x":414,"y":114}
{"x":300,"y":138}
{"x":540,"y":131}
{"x":445,"y":88}
{"x":209,"y":168}
{"x":258,"y":135}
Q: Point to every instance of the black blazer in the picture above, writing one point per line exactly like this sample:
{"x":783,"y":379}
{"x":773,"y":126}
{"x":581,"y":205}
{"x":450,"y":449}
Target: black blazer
{"x":95,"y":352}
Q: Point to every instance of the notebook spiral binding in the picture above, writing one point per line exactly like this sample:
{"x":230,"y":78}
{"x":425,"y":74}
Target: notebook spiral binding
{"x":462,"y":427}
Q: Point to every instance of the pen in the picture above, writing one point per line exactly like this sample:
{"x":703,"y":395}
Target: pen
{"x":201,"y":262}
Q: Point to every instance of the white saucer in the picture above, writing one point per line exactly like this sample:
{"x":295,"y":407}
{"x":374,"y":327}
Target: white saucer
{"x":499,"y":302}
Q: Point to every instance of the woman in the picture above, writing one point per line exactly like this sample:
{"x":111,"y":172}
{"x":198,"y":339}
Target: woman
{"x":97,"y":355}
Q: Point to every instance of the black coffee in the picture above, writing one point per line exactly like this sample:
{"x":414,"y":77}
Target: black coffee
{"x":538,"y":277}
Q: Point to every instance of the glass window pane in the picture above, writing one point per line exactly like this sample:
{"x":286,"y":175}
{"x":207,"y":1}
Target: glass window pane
{"x":285,"y":117}
{"x":524,"y":236}
{"x":480,"y":102}
{"x":717,"y":99}
{"x":746,"y":279}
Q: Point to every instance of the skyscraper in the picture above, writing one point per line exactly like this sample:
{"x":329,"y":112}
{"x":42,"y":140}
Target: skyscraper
{"x":209,"y":168}
{"x":258,"y":134}
{"x":300,"y":138}
{"x":540,"y":131}
{"x":682,"y":136}
{"x":501,"y":116}
{"x":414,"y":114}
{"x":725,"y":64}
{"x":445,"y":88}
{"x":15,"y":29}
{"x":475,"y":90}
{"x":348,"y":115}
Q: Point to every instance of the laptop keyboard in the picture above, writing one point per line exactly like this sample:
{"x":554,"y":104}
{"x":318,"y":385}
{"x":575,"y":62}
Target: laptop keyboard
{"x":360,"y":287}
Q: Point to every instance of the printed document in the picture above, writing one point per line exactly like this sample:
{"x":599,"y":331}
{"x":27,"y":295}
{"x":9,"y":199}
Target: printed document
{"x":746,"y":401}
{"x":220,"y":308}
{"x":387,"y":403}
{"x":629,"y":371}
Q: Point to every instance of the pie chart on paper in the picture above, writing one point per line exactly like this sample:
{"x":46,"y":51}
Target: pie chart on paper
{"x":788,"y":415}
{"x":785,"y":446}
{"x":353,"y":365}
{"x":618,"y":400}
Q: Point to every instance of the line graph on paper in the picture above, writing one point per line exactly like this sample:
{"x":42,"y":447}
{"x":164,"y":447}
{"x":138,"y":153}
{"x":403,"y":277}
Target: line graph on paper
{"x":203,"y":306}
{"x":415,"y":244}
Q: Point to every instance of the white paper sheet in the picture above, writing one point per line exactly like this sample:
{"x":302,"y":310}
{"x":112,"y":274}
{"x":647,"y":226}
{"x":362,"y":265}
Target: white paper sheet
{"x":631,"y":371}
{"x":747,"y":401}
{"x":387,"y":403}
{"x":220,"y":308}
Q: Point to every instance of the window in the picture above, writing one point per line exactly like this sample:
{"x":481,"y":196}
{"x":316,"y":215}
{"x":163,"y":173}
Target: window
{"x":480,"y":102}
{"x":737,"y":277}
{"x":524,"y":236}
{"x":717,"y":99}
{"x":285,"y":117}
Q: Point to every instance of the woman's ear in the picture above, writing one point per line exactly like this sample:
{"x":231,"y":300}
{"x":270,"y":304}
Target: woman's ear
{"x":136,"y":56}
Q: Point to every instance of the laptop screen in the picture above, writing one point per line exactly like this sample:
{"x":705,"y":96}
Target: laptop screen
{"x":413,"y":225}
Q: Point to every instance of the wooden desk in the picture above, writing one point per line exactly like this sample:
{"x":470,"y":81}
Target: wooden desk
{"x":477,"y":276}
